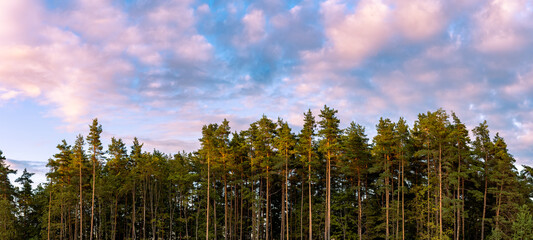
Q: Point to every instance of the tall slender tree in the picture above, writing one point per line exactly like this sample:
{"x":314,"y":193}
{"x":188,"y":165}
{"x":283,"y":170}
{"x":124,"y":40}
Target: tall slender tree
{"x":383,"y":154}
{"x":329,"y":146}
{"x":7,"y":192}
{"x":25,"y":196}
{"x":357,"y":153}
{"x":307,"y":152}
{"x":93,"y":139}
{"x":285,"y":142}
{"x":222,"y":137}
{"x":80,"y":160}
{"x":482,"y":147}
{"x":208,"y":141}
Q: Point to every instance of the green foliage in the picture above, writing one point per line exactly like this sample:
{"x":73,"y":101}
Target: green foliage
{"x":522,"y":226}
{"x":403,"y":183}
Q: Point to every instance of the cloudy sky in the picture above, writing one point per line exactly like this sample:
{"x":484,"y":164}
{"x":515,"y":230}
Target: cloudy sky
{"x":159,"y":70}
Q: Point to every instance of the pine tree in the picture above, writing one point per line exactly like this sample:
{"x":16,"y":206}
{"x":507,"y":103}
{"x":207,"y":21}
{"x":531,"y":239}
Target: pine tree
{"x":383,"y":155}
{"x":357,"y":154}
{"x":403,"y":145}
{"x":80,"y":160}
{"x":222,"y":138}
{"x":522,"y":227}
{"x":135,"y":159}
{"x":483,"y":146}
{"x":329,"y":146}
{"x":505,"y":186}
{"x":264,"y":154}
{"x":24,"y":197}
{"x":285,"y":142}
{"x":116,"y":167}
{"x":458,"y":153}
{"x":208,"y":151}
{"x":307,"y":152}
{"x":422,"y":182}
{"x":93,"y":139}
{"x":7,"y":192}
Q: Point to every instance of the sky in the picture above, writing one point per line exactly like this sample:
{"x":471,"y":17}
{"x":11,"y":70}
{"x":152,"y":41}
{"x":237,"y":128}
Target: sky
{"x":160,"y":70}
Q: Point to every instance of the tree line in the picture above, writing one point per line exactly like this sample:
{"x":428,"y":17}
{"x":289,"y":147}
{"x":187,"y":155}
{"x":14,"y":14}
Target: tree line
{"x":432,"y":180}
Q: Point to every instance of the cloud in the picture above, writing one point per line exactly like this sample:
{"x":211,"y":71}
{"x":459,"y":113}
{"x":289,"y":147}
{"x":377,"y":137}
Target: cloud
{"x":420,"y":19}
{"x":164,"y":68}
{"x":78,"y":65}
{"x":38,"y":168}
{"x":352,"y":37}
{"x":254,"y":27}
{"x":503,"y":26}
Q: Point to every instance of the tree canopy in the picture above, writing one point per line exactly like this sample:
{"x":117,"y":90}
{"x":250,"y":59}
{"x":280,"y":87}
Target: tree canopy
{"x":424,"y":181}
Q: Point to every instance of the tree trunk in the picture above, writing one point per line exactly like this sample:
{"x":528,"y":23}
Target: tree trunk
{"x":207,"y":211}
{"x":286,"y":188}
{"x":387,"y":198}
{"x":241,"y":188}
{"x":152,"y":216}
{"x":484,"y":201}
{"x":254,"y":208}
{"x":429,"y":176}
{"x":144,"y":208}
{"x":403,"y":203}
{"x":499,"y":204}
{"x":458,"y":197}
{"x":360,"y":215}
{"x":463,"y":208}
{"x":225,"y":204}
{"x":115,"y":219}
{"x":215,"y":216}
{"x":440,"y":191}
{"x":62,"y":226}
{"x":133,"y":235}
{"x":92,"y":198}
{"x":171,"y":202}
{"x":309,"y":186}
{"x":267,"y":204}
{"x":301,"y":211}
{"x":283,"y":211}
{"x":397,"y":234}
{"x":81,"y":203}
{"x":49,"y":211}
{"x":197,"y":216}
{"x":328,"y":193}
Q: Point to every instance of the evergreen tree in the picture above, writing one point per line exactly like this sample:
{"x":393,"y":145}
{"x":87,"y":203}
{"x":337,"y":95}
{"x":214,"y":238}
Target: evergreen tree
{"x":115,"y":168}
{"x":93,"y":139}
{"x":522,"y":227}
{"x":383,"y":155}
{"x":329,"y":146}
{"x":306,"y":148}
{"x":80,"y":160}
{"x":7,"y":206}
{"x":356,"y":151}
{"x":483,"y":147}
{"x":425,"y":182}
{"x":285,"y":142}
{"x":208,"y":150}
{"x":25,"y":197}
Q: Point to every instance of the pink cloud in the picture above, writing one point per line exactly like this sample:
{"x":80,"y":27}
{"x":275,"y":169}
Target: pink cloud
{"x":502,"y":26}
{"x":353,"y":36}
{"x":419,"y":19}
{"x":74,"y":60}
{"x":254,"y":27}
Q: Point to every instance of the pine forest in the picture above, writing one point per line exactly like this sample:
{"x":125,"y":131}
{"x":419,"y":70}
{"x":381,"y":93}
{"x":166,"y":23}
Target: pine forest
{"x":432,"y":179}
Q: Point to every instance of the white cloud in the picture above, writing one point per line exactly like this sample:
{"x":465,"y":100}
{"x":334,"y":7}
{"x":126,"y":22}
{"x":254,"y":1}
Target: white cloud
{"x":254,"y":27}
{"x":419,"y":19}
{"x":503,"y":26}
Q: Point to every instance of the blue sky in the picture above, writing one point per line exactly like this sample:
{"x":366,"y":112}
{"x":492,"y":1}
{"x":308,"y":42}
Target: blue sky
{"x":159,"y":70}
